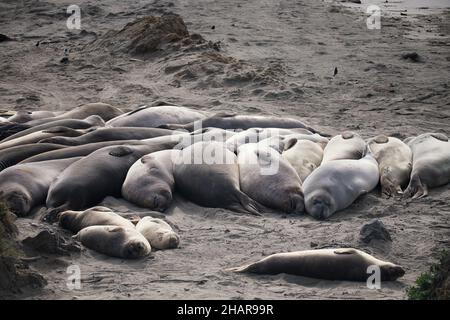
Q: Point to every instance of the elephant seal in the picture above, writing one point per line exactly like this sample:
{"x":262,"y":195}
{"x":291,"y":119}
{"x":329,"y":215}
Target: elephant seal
{"x":233,"y":121}
{"x":96,"y":216}
{"x":103,"y":110}
{"x":110,"y":134}
{"x":115,"y":241}
{"x":153,"y":117}
{"x":88,"y":181}
{"x":336,"y":184}
{"x":269,"y":179}
{"x":394,"y":162}
{"x":305,"y":156}
{"x":12,"y":156}
{"x":158,"y":232}
{"x":25,"y":116}
{"x":207,"y":173}
{"x":344,"y":264}
{"x":8,"y":129}
{"x":40,"y":135}
{"x":431,"y":164}
{"x":25,"y":186}
{"x":348,"y":145}
{"x":89,"y":122}
{"x":150,"y":182}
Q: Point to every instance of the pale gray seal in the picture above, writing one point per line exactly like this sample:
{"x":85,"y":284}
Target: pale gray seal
{"x":25,"y":116}
{"x":115,"y":241}
{"x":158,"y":232}
{"x":96,"y":216}
{"x":150,"y":182}
{"x":431,"y":164}
{"x":305,"y":156}
{"x":348,"y":145}
{"x":269,"y":179}
{"x":153,"y":117}
{"x":394,"y":162}
{"x":345,"y":264}
{"x":336,"y":184}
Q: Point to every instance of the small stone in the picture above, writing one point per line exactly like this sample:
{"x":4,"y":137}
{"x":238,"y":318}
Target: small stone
{"x":413,"y":56}
{"x":374,"y":230}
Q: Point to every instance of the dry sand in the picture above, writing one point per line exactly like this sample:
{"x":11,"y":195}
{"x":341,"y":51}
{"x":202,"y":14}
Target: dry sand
{"x":275,"y":57}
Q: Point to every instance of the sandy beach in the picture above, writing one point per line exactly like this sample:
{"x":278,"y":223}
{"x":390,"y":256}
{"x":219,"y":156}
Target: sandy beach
{"x":260,"y":57}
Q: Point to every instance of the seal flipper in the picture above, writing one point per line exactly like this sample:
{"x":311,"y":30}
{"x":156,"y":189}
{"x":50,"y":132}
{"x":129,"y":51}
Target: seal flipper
{"x":242,"y":269}
{"x":121,"y":151}
{"x":344,"y":251}
{"x":52,"y":214}
{"x":247,"y":205}
{"x":416,"y":189}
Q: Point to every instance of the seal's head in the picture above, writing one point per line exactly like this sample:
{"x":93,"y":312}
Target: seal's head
{"x":391,"y":272}
{"x":136,"y":249}
{"x":18,"y":202}
{"x":320,"y":204}
{"x":159,"y":200}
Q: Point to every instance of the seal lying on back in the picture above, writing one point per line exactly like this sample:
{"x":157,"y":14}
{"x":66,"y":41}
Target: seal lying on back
{"x":336,"y":184}
{"x":39,"y":135}
{"x":110,"y":134}
{"x":394,"y":162}
{"x":12,"y":156}
{"x":85,"y":183}
{"x":269,"y":179}
{"x":103,"y":110}
{"x":431,"y":163}
{"x":89,"y":122}
{"x":158,"y":232}
{"x":348,"y":145}
{"x":96,"y":216}
{"x":233,"y":121}
{"x":153,"y":117}
{"x":345,"y":264}
{"x":150,"y":182}
{"x":207,"y":173}
{"x":25,"y":186}
{"x":115,"y":241}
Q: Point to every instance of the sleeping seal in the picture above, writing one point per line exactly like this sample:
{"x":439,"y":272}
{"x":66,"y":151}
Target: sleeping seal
{"x":115,"y":241}
{"x":336,"y":184}
{"x":96,"y":216}
{"x":348,"y":145}
{"x":25,"y":186}
{"x":207,"y":173}
{"x":8,"y":129}
{"x":25,"y":116}
{"x":344,"y":264}
{"x":305,"y":156}
{"x":269,"y":179}
{"x":12,"y":156}
{"x":431,"y":163}
{"x":158,"y":232}
{"x":153,"y":117}
{"x":150,"y":182}
{"x":394,"y":162}
{"x":102,"y":173}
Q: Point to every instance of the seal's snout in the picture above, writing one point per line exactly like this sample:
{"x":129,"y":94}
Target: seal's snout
{"x":174,"y":241}
{"x":18,"y":203}
{"x":319,"y":208}
{"x":136,"y":250}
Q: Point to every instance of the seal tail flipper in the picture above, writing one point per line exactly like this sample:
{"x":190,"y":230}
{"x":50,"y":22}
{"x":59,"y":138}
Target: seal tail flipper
{"x":323,"y":134}
{"x":242,"y":269}
{"x":416,"y":189}
{"x":249,"y":205}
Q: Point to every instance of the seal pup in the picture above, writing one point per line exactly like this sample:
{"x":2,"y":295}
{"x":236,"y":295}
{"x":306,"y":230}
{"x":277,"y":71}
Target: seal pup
{"x":207,"y":173}
{"x":158,"y":232}
{"x":269,"y":179}
{"x":431,"y":164}
{"x":12,"y":156}
{"x":102,"y":173}
{"x":305,"y":156}
{"x":25,"y":186}
{"x":348,"y":145}
{"x":96,"y":216}
{"x":150,"y":182}
{"x":336,"y":184}
{"x":344,"y":264}
{"x":115,"y":241}
{"x":110,"y":134}
{"x":153,"y":117}
{"x":89,"y":122}
{"x":103,"y":110}
{"x":394,"y":162}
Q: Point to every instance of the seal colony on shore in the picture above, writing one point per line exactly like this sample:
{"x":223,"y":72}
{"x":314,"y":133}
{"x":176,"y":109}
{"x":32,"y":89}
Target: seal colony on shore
{"x":70,"y":161}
